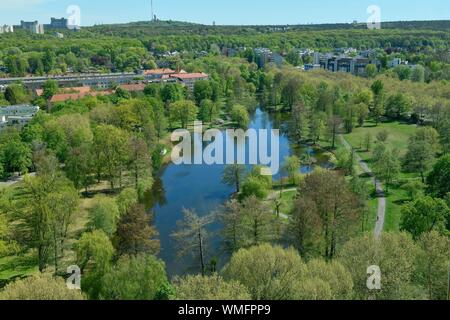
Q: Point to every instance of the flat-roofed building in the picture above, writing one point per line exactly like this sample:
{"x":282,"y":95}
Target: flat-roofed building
{"x":17,"y":115}
{"x":58,"y":23}
{"x":33,"y":26}
{"x":189,"y":79}
{"x":6,"y":29}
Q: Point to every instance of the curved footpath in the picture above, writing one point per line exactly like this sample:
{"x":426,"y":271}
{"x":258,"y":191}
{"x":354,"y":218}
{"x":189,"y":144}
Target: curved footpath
{"x":381,"y":215}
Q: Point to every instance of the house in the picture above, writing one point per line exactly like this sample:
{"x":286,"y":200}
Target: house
{"x":74,"y":93}
{"x":189,"y":79}
{"x":133,"y":87}
{"x":344,"y":63}
{"x":157,"y":73}
{"x":58,"y":23}
{"x":6,"y":29}
{"x":33,"y":27}
{"x":396,"y":62}
{"x":17,"y":115}
{"x":310,"y":66}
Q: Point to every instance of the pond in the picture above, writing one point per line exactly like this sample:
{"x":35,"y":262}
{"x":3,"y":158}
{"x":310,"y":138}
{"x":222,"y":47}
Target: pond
{"x":199,"y":187}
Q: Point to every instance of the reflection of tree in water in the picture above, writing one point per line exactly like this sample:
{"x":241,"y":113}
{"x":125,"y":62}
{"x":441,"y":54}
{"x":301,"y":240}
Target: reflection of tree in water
{"x":157,"y":195}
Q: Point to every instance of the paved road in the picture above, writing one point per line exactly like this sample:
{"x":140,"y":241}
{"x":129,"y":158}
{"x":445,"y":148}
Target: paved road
{"x":381,"y":216}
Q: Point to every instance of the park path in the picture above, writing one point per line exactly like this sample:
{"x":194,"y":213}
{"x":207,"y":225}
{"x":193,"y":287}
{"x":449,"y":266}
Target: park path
{"x":381,"y":215}
{"x":12,"y":181}
{"x":275,"y":194}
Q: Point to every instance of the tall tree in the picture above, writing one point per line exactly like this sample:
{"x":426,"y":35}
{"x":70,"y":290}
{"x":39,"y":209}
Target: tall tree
{"x":50,"y":88}
{"x":292,"y":167}
{"x":110,"y":147}
{"x":40,"y":287}
{"x":192,"y":237}
{"x":386,"y":165}
{"x":433,"y":262}
{"x":304,"y":228}
{"x":138,"y":277}
{"x":424,"y":215}
{"x":232,"y":219}
{"x":395,"y":254}
{"x":94,"y":253}
{"x":136,"y":233}
{"x":269,"y":273}
{"x":336,"y":206}
{"x":104,"y":215}
{"x":233,"y":175}
{"x":258,"y":222}
{"x":182,"y":111}
{"x":439,"y":178}
{"x":334,"y":125}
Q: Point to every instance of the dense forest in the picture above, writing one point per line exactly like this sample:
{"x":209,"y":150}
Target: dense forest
{"x":84,"y":169}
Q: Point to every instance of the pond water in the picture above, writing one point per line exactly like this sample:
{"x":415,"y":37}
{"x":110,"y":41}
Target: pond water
{"x":199,"y":187}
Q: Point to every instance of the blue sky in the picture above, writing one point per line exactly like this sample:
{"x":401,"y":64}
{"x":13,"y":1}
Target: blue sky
{"x":225,"y":11}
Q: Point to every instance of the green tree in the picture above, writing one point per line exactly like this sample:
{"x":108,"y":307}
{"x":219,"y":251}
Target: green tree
{"x":136,"y":233}
{"x":140,"y":162}
{"x":337,"y":208}
{"x":418,"y":74}
{"x":15,"y":155}
{"x":419,"y":158}
{"x":94,"y":253}
{"x":126,"y":199}
{"x":439,"y":178}
{"x":50,"y":88}
{"x":48,"y":204}
{"x":371,"y":70}
{"x":304,"y":228}
{"x":334,"y":274}
{"x":16,"y":94}
{"x":240,"y":116}
{"x":333,"y":126}
{"x":233,"y":175}
{"x":232,"y":218}
{"x":202,"y":91}
{"x":208,"y":111}
{"x":292,"y":167}
{"x":386,"y":165}
{"x":183,"y":111}
{"x":395,"y":254}
{"x":433,"y":262}
{"x":110,"y":148}
{"x":258,"y":222}
{"x":40,"y":287}
{"x":269,"y":273}
{"x":254,"y":186}
{"x":192,"y":237}
{"x":398,"y":105}
{"x":171,"y":93}
{"x":378,"y":108}
{"x":104,"y":215}
{"x":424,"y":215}
{"x":138,"y":277}
{"x":79,"y":166}
{"x":293,"y":57}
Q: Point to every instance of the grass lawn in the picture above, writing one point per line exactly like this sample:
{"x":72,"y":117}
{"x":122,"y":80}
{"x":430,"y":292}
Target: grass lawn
{"x":287,"y":201}
{"x":17,"y":266}
{"x":24,"y":265}
{"x":399,"y":134}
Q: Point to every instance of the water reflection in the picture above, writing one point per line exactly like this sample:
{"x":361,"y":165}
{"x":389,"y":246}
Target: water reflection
{"x":199,"y":187}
